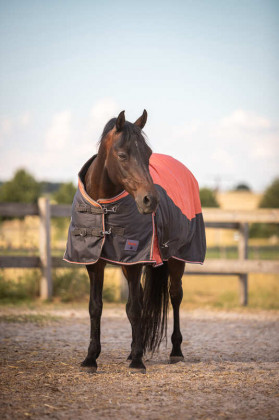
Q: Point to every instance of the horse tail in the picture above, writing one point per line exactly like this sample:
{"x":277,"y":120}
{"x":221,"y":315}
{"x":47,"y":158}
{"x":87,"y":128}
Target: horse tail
{"x":155,"y":306}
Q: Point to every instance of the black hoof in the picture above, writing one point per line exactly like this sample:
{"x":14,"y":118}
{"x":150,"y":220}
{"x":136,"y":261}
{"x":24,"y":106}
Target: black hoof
{"x":176,"y":359}
{"x":89,"y":364}
{"x":129,"y":357}
{"x":136,"y":366}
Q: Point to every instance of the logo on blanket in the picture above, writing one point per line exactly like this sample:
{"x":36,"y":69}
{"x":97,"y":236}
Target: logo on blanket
{"x":131,"y":245}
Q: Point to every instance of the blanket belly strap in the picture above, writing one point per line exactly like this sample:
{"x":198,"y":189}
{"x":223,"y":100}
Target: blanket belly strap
{"x":115,"y":230}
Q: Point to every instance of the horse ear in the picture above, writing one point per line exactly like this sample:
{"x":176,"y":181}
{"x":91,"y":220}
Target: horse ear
{"x":120,"y":121}
{"x":141,"y":120}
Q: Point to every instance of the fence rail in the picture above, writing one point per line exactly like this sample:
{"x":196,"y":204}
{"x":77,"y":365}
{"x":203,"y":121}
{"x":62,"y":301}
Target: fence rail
{"x":214,"y":218}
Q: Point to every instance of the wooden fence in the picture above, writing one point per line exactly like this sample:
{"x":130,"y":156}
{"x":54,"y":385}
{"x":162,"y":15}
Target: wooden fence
{"x":214,"y":218}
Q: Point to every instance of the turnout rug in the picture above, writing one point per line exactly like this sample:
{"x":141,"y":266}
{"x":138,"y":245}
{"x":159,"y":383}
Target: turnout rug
{"x":114,"y":230}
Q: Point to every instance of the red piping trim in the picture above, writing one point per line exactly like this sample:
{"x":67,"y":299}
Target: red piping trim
{"x":101,"y":200}
{"x":186,"y":261}
{"x":80,"y":263}
{"x":153,"y":235}
{"x":112,"y":261}
{"x":85,"y":195}
{"x":111,"y":200}
{"x":133,"y":263}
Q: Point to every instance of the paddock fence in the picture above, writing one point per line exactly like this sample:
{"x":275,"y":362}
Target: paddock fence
{"x":214,"y":218}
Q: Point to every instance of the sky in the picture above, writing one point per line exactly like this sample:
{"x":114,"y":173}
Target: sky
{"x":206,"y":71}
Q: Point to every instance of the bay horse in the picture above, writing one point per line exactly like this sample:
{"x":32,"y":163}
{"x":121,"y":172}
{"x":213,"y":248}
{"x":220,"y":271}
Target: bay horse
{"x":122,"y":164}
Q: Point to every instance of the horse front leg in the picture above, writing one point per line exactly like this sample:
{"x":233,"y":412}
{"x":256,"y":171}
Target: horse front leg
{"x":176,"y":270}
{"x":96,"y":275}
{"x":134,"y":313}
{"x":132,"y":344}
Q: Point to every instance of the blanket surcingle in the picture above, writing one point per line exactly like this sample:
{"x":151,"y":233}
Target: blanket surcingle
{"x":114,"y":230}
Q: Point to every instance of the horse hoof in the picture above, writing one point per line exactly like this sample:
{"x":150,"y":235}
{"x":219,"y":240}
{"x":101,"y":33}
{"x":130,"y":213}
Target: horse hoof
{"x":89,"y":369}
{"x":137,"y":367}
{"x":176,"y":359}
{"x":89,"y":365}
{"x":135,"y":371}
{"x":129,"y":357}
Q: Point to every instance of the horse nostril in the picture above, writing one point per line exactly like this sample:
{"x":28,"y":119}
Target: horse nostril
{"x":147,"y":204}
{"x":146,"y":200}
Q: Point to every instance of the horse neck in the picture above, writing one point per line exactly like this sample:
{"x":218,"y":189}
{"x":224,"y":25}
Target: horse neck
{"x":97,"y":182}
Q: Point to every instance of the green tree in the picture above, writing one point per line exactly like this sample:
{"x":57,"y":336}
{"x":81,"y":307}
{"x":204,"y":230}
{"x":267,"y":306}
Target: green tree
{"x":65,"y":194}
{"x":22,"y":188}
{"x":208,"y":198}
{"x":242,"y":187}
{"x":270,"y":199}
{"x":271,"y":196}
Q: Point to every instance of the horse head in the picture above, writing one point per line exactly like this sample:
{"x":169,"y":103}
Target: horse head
{"x":127,"y":161}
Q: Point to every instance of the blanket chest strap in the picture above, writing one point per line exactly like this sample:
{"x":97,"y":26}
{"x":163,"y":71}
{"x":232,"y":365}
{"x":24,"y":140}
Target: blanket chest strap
{"x":83,"y":208}
{"x":115,"y":230}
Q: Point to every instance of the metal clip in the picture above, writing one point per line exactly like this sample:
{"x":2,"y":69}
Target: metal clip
{"x":112,"y":210}
{"x":165,"y":245}
{"x":106,"y":232}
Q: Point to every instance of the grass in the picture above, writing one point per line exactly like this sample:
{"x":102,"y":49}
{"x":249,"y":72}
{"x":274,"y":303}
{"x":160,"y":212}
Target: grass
{"x":25,"y":286}
{"x":223,"y":292}
{"x":69,"y":285}
{"x":254,"y":252}
{"x":72,"y":286}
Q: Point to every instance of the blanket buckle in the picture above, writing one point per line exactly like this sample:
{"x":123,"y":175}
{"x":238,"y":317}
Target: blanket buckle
{"x":112,"y":210}
{"x":106,"y":232}
{"x":166,"y":244}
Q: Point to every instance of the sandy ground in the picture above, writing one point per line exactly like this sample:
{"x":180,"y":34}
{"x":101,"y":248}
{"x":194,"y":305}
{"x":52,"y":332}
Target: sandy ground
{"x":230,"y":369}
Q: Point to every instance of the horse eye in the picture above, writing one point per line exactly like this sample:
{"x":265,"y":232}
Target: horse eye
{"x":122,"y":156}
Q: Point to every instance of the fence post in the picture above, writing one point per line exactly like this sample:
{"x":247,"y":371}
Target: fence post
{"x":243,"y":255}
{"x":45,"y":255}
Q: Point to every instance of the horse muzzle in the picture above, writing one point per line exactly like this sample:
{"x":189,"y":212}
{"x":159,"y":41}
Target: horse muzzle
{"x":147,"y":203}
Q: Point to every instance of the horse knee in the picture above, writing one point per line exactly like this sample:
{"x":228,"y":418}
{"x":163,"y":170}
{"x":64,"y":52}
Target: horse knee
{"x":95,"y":309}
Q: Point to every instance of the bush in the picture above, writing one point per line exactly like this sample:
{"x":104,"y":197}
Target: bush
{"x":65,"y":194}
{"x":242,"y":187}
{"x":26,"y":287}
{"x":270,"y":199}
{"x":208,"y":198}
{"x":73,"y":285}
{"x":70,"y":284}
{"x":271,"y":196}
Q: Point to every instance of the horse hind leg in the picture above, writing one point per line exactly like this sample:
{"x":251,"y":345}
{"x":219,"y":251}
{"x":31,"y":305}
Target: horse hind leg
{"x":176,"y":270}
{"x":96,"y":275}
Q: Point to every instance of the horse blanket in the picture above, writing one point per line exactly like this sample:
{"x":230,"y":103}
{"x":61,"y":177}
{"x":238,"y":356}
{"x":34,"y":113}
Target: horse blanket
{"x":114,"y":230}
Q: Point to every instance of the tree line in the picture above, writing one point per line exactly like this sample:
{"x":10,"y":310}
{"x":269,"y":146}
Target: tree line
{"x":24,"y":188}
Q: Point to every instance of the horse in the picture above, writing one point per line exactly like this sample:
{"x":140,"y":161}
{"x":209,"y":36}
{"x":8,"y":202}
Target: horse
{"x":121,"y":171}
